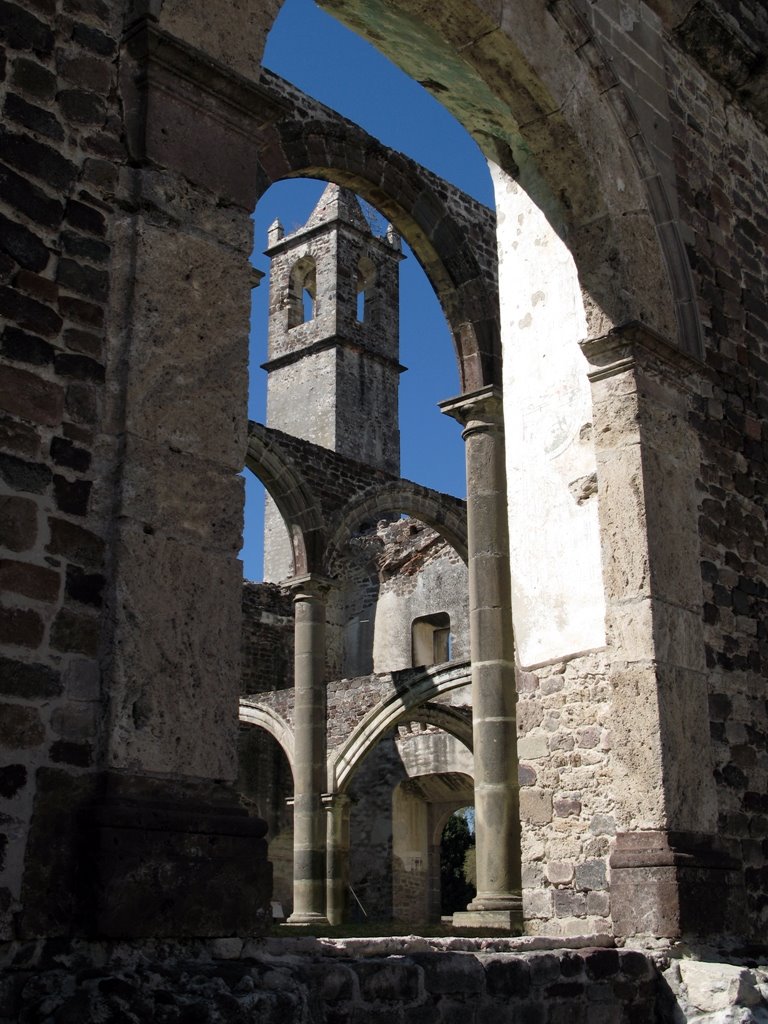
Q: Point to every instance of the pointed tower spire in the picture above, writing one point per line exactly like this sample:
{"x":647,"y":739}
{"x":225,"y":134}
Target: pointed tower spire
{"x":338,"y":203}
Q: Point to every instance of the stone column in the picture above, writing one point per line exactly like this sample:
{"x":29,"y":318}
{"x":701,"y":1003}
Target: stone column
{"x":337,"y":877}
{"x":309,"y":766}
{"x":498,"y":903}
{"x":175,"y":424}
{"x":671,"y":876}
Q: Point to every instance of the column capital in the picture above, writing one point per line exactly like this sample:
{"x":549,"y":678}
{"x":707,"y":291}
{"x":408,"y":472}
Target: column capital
{"x":634,"y":345}
{"x":476,"y":410}
{"x":309,"y":586}
{"x":334,"y":801}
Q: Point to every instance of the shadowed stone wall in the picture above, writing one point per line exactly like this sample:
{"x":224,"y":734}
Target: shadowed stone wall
{"x":267,"y":644}
{"x":225,"y":980}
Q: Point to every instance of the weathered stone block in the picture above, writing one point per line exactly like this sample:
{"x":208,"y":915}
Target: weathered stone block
{"x":30,"y":116}
{"x":568,"y":903}
{"x":20,"y":727}
{"x":79,"y":755}
{"x":176,"y":673}
{"x":31,"y":681}
{"x":717,"y":986}
{"x":590,"y":874}
{"x":73,"y":633}
{"x":20,"y":627}
{"x":193,"y":339}
{"x":26,"y":348}
{"x":450,"y":972}
{"x":33,"y":79}
{"x":24,"y":31}
{"x":26,"y":395}
{"x":30,"y":199}
{"x":390,"y":981}
{"x":602,"y":963}
{"x":18,"y":522}
{"x":35,"y":581}
{"x":82,"y":679}
{"x":79,"y":367}
{"x":22,"y":245}
{"x":71,"y":496}
{"x":535,"y":805}
{"x":533,"y":746}
{"x":560,"y":872}
{"x":13,"y":777}
{"x":673,"y":884}
{"x":75,"y":543}
{"x":598,"y":904}
{"x":21,"y":475}
{"x":75,"y":722}
{"x":83,"y":587}
{"x":37,"y":159}
{"x":545,"y":969}
{"x":90,"y":315}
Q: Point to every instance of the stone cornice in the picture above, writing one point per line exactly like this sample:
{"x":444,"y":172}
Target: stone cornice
{"x":632,"y":345}
{"x":335,"y":341}
{"x":187,"y":112}
{"x":234,"y":94}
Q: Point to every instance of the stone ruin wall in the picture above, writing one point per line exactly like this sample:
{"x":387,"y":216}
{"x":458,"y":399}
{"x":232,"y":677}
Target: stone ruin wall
{"x":713,"y":154}
{"x":60,"y":158}
{"x":567,"y":795}
{"x":303,"y":979}
{"x":567,"y":801}
{"x":407,"y":979}
{"x":394,"y":573}
{"x":721,"y":172}
{"x":58,"y":188}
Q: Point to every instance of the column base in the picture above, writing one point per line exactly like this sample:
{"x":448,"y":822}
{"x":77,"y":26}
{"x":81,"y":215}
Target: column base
{"x":497,"y":912}
{"x":169,"y":859}
{"x":311,"y":919}
{"x":675,"y":885}
{"x":510,"y":922}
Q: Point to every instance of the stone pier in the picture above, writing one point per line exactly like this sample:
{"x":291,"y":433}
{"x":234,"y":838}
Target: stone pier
{"x":498,"y":903}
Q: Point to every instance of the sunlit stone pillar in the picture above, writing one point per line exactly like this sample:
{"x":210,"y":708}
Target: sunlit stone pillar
{"x":337,"y":878}
{"x":498,"y":903}
{"x":673,"y":875}
{"x":309,"y":751}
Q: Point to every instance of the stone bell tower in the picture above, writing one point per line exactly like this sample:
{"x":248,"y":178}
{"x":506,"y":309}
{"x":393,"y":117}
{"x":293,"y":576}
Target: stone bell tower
{"x":333,"y":343}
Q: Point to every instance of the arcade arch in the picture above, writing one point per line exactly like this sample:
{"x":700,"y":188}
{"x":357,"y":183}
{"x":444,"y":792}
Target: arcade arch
{"x":551,"y":126}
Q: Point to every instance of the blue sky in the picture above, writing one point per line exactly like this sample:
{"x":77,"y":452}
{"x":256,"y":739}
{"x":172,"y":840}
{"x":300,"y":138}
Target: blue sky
{"x":364,"y":86}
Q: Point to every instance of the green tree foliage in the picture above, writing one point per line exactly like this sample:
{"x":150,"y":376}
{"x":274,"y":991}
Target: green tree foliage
{"x":456,"y":841}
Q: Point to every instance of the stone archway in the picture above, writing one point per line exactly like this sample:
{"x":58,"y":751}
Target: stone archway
{"x":445,"y":514}
{"x":544,"y":104}
{"x":265,"y":780}
{"x":291,"y":493}
{"x":421,"y":805}
{"x":451,"y":234}
{"x":343,"y":760}
{"x":561,"y":124}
